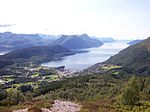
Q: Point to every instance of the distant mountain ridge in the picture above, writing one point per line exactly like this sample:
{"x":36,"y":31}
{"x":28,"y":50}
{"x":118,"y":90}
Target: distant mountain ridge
{"x":104,"y":39}
{"x":77,"y":41}
{"x":136,"y":57}
{"x":12,"y":41}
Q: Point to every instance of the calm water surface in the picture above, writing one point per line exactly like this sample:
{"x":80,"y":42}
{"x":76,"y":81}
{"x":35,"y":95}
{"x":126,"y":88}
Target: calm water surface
{"x":84,"y":60}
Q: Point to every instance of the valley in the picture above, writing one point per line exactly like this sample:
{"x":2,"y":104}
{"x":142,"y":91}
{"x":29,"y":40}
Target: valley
{"x":27,"y":85}
{"x":74,"y":55}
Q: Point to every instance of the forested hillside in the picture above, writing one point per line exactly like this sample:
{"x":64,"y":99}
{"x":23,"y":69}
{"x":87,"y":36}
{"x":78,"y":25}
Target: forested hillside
{"x":135,"y":57}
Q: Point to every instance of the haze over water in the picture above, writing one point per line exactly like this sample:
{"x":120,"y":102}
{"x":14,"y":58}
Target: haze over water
{"x":84,"y":60}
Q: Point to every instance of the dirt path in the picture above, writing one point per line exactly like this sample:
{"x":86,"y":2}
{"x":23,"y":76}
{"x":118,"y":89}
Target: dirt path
{"x":59,"y":106}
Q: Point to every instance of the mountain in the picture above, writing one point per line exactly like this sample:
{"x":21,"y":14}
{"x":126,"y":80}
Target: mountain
{"x":34,"y":54}
{"x":136,"y":57}
{"x":12,"y":41}
{"x":134,"y":42}
{"x":106,"y":40}
{"x":52,"y":37}
{"x":77,"y":41}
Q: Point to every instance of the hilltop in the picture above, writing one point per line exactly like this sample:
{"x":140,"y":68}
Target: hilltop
{"x":77,"y":41}
{"x":34,"y":54}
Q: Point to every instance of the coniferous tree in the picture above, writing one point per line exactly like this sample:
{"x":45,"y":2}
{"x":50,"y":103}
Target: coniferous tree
{"x":130,"y":95}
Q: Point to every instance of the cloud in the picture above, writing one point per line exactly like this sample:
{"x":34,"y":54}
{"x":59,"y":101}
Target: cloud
{"x":6,"y":25}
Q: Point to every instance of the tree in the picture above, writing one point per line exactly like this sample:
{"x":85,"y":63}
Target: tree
{"x":15,"y":97}
{"x":25,"y":88}
{"x":130,"y":95}
{"x":3,"y":94}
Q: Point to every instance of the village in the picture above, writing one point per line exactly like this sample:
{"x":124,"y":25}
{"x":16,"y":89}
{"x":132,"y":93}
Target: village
{"x":33,"y":74}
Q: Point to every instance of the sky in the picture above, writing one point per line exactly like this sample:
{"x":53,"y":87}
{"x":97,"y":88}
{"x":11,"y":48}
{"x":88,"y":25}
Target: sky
{"x":120,"y":19}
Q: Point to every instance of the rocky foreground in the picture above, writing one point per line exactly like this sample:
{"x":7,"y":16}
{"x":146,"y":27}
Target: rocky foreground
{"x":59,"y":106}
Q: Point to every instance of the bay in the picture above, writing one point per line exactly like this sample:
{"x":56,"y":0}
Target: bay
{"x":94,"y":55}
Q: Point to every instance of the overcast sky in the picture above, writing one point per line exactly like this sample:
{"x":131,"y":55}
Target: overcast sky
{"x":124,"y":19}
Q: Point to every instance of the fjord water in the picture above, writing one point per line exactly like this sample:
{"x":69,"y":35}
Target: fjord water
{"x":95,"y":55}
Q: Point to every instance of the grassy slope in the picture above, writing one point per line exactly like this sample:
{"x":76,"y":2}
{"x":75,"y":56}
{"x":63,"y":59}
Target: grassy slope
{"x":136,"y":56}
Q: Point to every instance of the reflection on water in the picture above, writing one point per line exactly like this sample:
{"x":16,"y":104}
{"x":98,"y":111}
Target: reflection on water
{"x":84,"y":60}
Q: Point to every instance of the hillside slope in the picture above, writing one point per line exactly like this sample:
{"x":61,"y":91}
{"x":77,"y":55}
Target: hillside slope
{"x":34,"y":54}
{"x":77,"y":41}
{"x":136,"y":57}
{"x":135,"y":42}
{"x":12,"y":41}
